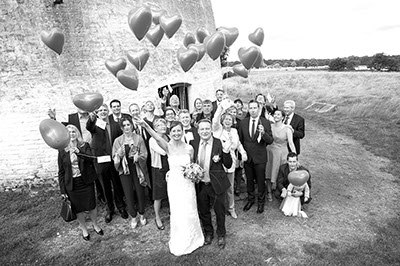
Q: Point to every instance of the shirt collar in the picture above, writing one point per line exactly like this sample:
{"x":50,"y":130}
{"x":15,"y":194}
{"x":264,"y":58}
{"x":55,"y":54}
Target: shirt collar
{"x":209,"y":141}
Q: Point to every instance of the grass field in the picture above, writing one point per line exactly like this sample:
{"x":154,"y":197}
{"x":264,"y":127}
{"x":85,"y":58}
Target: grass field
{"x":352,"y":154}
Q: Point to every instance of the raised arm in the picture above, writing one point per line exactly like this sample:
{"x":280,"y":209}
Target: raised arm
{"x":289,"y":135}
{"x":160,"y":141}
{"x":216,"y":125}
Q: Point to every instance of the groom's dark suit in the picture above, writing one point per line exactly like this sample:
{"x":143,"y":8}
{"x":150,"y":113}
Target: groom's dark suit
{"x":213,"y":193}
{"x":257,"y":156}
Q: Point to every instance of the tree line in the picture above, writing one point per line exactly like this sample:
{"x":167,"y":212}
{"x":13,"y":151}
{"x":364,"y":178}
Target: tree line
{"x":377,"y":62}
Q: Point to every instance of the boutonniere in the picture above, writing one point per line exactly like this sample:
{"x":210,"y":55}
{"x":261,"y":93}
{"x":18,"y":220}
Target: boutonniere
{"x":216,"y":158}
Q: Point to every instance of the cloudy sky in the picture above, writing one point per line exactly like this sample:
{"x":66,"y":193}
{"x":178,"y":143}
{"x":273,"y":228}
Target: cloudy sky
{"x":296,"y":29}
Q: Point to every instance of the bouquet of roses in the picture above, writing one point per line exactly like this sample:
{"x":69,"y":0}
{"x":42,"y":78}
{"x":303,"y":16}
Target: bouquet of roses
{"x":193,"y":172}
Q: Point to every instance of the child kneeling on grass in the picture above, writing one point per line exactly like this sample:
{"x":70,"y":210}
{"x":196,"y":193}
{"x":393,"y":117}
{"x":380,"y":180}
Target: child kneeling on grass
{"x":291,"y":205}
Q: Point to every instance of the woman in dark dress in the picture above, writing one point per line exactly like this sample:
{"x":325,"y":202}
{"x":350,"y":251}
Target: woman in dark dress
{"x":130,"y":155}
{"x":76,"y":175}
{"x":159,"y":167}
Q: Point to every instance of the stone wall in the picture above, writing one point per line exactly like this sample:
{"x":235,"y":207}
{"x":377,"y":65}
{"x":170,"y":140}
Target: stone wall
{"x":34,"y":78}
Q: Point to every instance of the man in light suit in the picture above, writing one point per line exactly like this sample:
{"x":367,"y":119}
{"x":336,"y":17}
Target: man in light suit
{"x":211,"y":191}
{"x":255,"y":134}
{"x":296,"y":122}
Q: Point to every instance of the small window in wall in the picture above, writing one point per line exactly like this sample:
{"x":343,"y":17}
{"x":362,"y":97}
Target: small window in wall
{"x":178,"y":89}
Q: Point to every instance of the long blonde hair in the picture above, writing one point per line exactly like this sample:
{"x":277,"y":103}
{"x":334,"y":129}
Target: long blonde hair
{"x":79,"y":139}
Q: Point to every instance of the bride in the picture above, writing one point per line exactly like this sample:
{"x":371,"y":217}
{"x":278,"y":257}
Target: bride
{"x":186,"y":234}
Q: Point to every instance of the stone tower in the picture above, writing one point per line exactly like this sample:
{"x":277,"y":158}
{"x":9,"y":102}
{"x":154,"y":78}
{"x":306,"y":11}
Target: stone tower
{"x":34,"y":78}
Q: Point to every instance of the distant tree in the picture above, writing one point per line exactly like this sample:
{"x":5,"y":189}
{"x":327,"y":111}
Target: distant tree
{"x":313,"y":62}
{"x":293,"y":64}
{"x":337,"y":64}
{"x":306,"y":63}
{"x":365,"y":60}
{"x":351,"y":65}
{"x":378,"y":62}
{"x":286,"y":64}
{"x":393,"y":64}
{"x":276,"y":65}
{"x":382,"y":62}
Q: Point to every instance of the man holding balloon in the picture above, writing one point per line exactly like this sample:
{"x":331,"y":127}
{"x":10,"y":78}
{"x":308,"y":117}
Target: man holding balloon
{"x":102,"y":147}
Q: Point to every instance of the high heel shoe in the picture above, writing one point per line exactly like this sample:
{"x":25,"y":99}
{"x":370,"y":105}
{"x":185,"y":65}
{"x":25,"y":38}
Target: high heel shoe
{"x":101,"y":232}
{"x":86,"y":238}
{"x":162,"y":227}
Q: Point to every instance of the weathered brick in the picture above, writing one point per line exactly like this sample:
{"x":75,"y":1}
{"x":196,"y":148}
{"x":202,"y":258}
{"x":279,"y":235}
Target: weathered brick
{"x":34,"y":78}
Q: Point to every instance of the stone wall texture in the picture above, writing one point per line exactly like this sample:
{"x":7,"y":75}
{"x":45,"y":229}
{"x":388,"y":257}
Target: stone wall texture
{"x":34,"y":78}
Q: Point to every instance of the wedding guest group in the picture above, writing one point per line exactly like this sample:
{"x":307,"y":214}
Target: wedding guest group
{"x":144,"y":157}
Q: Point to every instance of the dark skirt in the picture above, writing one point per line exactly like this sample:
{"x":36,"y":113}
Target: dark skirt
{"x":82,"y":196}
{"x":159,"y":184}
{"x":159,"y":181}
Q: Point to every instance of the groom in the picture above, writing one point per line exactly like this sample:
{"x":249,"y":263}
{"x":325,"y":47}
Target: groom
{"x":211,"y":191}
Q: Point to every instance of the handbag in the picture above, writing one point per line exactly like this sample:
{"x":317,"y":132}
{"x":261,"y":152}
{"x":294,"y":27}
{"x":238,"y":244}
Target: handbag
{"x":67,"y":213}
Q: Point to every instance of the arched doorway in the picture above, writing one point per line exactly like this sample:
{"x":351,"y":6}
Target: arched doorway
{"x":179,"y":89}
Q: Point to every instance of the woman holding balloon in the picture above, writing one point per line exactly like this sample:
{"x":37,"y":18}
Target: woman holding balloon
{"x":76,"y":175}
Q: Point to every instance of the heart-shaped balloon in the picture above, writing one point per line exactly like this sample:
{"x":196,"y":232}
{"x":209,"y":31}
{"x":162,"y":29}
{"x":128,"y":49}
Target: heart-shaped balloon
{"x":189,"y":39}
{"x":201,"y":34}
{"x":248,"y":56}
{"x":200,"y":49}
{"x":298,"y":178}
{"x":257,"y":37}
{"x":129,"y":78}
{"x":53,"y":39}
{"x":139,"y":59}
{"x":215,"y":45}
{"x":259,"y":60}
{"x":231,"y":34}
{"x":55,"y":134}
{"x":155,"y":35}
{"x":170,"y":25}
{"x":115,"y":65}
{"x":157,"y":14}
{"x":140,"y":21}
{"x":240,"y":70}
{"x":187,"y":58}
{"x":89,"y":101}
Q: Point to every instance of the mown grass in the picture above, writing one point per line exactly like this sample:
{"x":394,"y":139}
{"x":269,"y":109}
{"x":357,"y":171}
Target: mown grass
{"x":368,"y":103}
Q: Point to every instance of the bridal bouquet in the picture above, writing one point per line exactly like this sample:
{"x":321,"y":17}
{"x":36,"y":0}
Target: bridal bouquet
{"x":193,"y":172}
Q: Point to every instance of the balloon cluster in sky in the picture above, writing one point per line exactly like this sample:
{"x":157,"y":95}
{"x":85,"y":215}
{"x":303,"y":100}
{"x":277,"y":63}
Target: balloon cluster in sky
{"x":140,"y":21}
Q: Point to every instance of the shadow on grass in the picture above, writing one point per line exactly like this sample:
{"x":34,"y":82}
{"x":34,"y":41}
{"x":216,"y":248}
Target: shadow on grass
{"x":384,"y":250}
{"x":23,"y":232}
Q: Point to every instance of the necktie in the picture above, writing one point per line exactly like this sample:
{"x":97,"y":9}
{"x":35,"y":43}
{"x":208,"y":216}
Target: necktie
{"x":253,"y":127}
{"x":286,"y":120}
{"x":203,"y":154}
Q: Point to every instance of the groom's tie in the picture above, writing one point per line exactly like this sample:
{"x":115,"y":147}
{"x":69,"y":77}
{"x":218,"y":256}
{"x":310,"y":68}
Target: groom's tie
{"x":203,"y":154}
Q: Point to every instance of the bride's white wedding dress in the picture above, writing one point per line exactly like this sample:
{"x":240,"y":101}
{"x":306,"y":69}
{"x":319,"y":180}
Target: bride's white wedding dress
{"x":186,"y":234}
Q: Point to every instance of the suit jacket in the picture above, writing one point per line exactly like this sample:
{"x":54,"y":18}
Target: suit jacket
{"x":219,"y":180}
{"x":283,"y":173}
{"x":268,"y":108}
{"x":297,"y":124}
{"x":256,"y":151}
{"x":115,"y":128}
{"x":86,"y":166}
{"x":194,"y":132}
{"x":101,"y":144}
